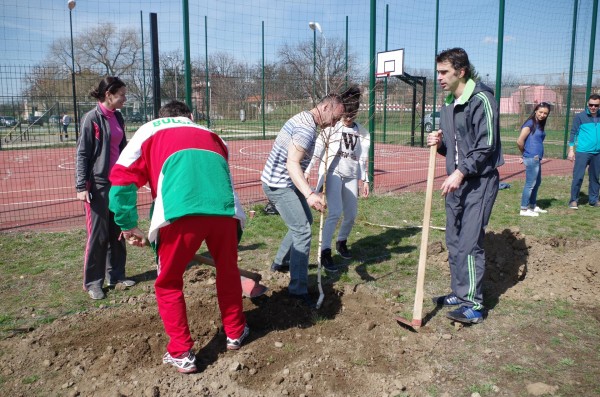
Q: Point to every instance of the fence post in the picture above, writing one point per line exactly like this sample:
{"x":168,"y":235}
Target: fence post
{"x":75,"y":113}
{"x":570,"y":87}
{"x":186,"y":54}
{"x":372,"y":56}
{"x":588,"y":90}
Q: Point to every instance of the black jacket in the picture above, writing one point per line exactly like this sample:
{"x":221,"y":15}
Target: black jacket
{"x":472,"y":126}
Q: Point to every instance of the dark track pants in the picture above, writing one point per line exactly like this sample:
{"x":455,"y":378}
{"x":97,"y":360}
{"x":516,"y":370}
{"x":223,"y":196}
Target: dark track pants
{"x":468,"y":211}
{"x":177,"y":245}
{"x":105,"y":255}
{"x":591,"y":161}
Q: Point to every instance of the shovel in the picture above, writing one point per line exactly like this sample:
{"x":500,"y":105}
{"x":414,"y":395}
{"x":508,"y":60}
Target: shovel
{"x":417,"y":319}
{"x":251,"y":287}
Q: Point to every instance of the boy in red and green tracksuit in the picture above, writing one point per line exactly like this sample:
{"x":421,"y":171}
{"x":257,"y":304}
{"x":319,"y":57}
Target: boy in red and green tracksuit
{"x":188,"y":174}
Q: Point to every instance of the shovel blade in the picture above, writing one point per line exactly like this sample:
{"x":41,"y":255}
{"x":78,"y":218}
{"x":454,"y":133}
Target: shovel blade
{"x":252,"y":289}
{"x":413,"y":325}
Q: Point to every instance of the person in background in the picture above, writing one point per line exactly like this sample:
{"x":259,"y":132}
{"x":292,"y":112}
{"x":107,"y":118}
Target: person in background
{"x":186,"y":167}
{"x":65,"y":121}
{"x":101,"y":141}
{"x":469,"y":138}
{"x":585,"y":134}
{"x":531,"y":145}
{"x":346,"y":147}
{"x":285,"y":186}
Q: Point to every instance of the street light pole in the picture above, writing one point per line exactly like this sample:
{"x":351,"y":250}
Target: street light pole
{"x":71,"y":4}
{"x":314,"y":66}
{"x":314,"y":26}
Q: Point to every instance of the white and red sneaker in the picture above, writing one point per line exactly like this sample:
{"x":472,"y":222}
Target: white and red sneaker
{"x":186,"y":363}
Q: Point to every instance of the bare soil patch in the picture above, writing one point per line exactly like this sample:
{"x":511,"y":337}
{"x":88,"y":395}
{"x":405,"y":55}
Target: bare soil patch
{"x":350,"y":347}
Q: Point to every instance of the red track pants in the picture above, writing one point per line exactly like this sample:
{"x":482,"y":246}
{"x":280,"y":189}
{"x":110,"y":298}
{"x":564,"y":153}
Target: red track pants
{"x":177,"y":245}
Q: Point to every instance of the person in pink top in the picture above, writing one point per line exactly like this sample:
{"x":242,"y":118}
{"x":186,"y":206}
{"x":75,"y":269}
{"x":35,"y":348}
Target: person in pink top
{"x":101,"y":141}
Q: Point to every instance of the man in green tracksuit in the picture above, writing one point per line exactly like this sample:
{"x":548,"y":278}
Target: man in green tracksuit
{"x":469,"y":138}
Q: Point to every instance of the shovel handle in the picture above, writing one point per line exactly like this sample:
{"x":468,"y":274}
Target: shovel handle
{"x":418,"y":308}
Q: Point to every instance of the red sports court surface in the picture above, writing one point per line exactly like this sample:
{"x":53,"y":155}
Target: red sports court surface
{"x":37,"y":186}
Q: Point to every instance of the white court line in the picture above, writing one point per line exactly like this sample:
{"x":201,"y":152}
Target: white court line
{"x":411,"y":170}
{"x":21,"y":159}
{"x":246,"y":152}
{"x":56,"y":188}
{"x":64,"y":165}
{"x":402,"y":156}
{"x":400,"y":161}
{"x":510,"y":161}
{"x":244,"y":168}
{"x":37,"y":190}
{"x":8,"y":174}
{"x":40,"y":201}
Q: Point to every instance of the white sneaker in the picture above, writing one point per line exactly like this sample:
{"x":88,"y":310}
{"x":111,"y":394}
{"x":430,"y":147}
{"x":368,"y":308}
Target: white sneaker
{"x":186,"y":364}
{"x":235,"y":344}
{"x":528,"y":212}
{"x":96,"y":293}
{"x":539,"y":210}
{"x":125,"y":282}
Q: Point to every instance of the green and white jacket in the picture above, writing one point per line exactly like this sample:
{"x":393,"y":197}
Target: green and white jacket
{"x":186,"y":168}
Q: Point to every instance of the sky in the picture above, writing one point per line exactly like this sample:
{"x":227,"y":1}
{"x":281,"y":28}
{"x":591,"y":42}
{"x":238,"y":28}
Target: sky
{"x":537,"y":34}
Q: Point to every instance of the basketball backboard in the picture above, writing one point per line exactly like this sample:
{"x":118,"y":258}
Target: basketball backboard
{"x":390,"y":63}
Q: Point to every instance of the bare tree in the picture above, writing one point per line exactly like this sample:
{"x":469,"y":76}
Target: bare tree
{"x":330,"y":63}
{"x":222,"y":64}
{"x":512,"y":80}
{"x":231,"y":83}
{"x":44,"y":85}
{"x":229,"y":78}
{"x":281,"y":82}
{"x":298,"y":59}
{"x":60,"y":54}
{"x":116,"y":50}
{"x":139,"y":86}
{"x":101,"y":50}
{"x":172,"y":74}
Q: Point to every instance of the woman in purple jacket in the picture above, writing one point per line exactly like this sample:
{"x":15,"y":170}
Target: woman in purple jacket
{"x":101,"y":141}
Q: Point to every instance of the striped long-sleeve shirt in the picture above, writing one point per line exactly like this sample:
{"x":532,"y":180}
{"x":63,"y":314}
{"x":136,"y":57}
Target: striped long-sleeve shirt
{"x":300,"y":130}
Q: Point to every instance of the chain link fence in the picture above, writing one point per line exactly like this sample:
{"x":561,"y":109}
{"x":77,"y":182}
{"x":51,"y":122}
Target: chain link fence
{"x":246,"y":67}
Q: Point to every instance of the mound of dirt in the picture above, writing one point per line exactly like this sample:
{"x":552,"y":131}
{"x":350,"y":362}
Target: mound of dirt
{"x":350,"y":347}
{"x":547,"y":269}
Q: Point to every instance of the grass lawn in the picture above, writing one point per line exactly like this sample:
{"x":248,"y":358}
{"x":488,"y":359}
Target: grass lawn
{"x":42,"y":271}
{"x":528,"y":339}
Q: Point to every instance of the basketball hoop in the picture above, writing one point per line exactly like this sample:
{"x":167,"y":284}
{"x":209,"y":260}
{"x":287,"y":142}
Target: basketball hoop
{"x":390,"y":63}
{"x":382,"y":74}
